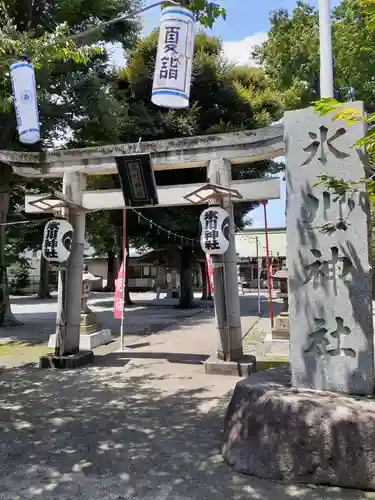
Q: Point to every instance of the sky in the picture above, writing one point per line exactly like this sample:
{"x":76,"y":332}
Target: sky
{"x":246,"y":25}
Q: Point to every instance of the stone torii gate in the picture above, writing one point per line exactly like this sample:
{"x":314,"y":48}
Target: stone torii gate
{"x":215,"y":152}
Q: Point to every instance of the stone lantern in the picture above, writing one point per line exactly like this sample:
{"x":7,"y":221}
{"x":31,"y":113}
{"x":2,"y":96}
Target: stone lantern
{"x":277,"y":341}
{"x":89,"y":323}
{"x":282,"y":277}
{"x":281,"y":323}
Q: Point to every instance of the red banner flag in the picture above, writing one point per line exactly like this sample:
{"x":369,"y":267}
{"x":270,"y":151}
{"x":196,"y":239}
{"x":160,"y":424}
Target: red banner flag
{"x":209,"y":272}
{"x":119,"y":293}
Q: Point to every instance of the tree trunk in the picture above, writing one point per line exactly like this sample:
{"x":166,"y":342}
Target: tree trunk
{"x":206,"y":289}
{"x":6,"y":315}
{"x":187,"y":291}
{"x":44,"y":279}
{"x":111,"y":272}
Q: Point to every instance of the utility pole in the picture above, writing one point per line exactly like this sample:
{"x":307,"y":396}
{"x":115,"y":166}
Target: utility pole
{"x":258,"y":272}
{"x":325,"y":42}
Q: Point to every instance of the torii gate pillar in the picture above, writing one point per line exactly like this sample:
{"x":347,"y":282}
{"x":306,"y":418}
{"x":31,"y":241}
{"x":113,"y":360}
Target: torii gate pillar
{"x":70,"y":293}
{"x":227,"y":301}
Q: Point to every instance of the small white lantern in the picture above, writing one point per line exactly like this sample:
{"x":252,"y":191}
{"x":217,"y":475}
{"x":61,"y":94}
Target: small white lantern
{"x":25,"y":101}
{"x":215,"y":230}
{"x":172,"y":78}
{"x":57,"y":240}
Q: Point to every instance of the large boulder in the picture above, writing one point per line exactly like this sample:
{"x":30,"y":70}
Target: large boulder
{"x":276,"y":432}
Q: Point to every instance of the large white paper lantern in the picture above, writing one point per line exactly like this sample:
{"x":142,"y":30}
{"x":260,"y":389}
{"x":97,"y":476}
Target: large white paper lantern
{"x":25,"y":101}
{"x":172,"y":78}
{"x":215,"y":230}
{"x":57,"y":240}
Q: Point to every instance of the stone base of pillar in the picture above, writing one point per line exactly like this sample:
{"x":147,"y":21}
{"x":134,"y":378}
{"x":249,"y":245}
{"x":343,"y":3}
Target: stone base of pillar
{"x":89,"y":341}
{"x":95,"y":339}
{"x":235,"y":355}
{"x":241,"y":368}
{"x":69,"y":362}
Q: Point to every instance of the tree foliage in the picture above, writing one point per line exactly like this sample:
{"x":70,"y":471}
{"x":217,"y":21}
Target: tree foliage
{"x":294,"y":65}
{"x":73,"y":82}
{"x":206,"y":12}
{"x":355,"y":31}
{"x":64,"y":69}
{"x":224,"y":98}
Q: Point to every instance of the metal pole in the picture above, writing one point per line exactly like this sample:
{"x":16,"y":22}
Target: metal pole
{"x":123,"y":278}
{"x":269,"y":278}
{"x":325,"y":42}
{"x":208,"y":285}
{"x":258,"y":271}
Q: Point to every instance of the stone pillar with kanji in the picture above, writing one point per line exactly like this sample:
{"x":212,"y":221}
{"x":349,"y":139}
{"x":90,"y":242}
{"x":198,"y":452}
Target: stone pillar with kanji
{"x":330,"y":306}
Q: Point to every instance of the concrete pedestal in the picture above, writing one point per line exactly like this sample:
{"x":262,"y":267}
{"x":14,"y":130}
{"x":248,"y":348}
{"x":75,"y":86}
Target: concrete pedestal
{"x":95,"y":339}
{"x":245,"y":366}
{"x":89,"y":341}
{"x":276,"y":347}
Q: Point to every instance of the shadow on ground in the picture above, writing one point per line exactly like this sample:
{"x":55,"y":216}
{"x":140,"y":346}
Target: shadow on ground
{"x":116,"y":434}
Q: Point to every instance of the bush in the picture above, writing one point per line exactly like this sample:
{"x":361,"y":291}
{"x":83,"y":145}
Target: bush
{"x":19,"y":276}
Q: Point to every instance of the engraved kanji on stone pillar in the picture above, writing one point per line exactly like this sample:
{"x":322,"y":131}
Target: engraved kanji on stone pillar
{"x":330,"y":307}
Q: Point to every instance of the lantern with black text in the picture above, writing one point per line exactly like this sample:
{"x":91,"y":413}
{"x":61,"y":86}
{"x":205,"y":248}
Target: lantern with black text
{"x":215,"y":230}
{"x":174,"y":59}
{"x":25,"y":101}
{"x":57,"y":240}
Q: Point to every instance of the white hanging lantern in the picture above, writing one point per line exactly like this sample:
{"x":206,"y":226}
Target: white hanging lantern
{"x":215,"y":230}
{"x":57,"y":240}
{"x":25,"y":101}
{"x":172,"y":78}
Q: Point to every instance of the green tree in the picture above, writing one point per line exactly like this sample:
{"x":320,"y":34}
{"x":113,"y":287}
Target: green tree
{"x":223,"y":99}
{"x":296,"y":66}
{"x":61,"y":66}
{"x":25,"y":230}
{"x":206,"y":12}
{"x":72,"y":79}
{"x":114,"y":120}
